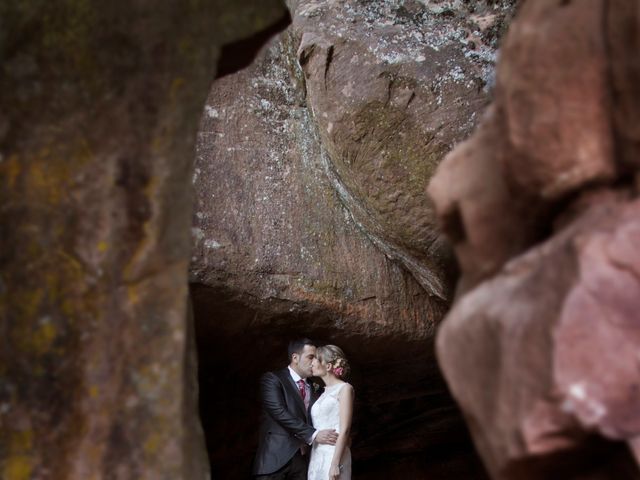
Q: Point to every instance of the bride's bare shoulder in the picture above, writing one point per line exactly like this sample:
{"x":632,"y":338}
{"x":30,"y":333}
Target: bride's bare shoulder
{"x":346,"y":389}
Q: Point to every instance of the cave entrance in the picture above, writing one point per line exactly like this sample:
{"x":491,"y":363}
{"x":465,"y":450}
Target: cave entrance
{"x":406,"y":425}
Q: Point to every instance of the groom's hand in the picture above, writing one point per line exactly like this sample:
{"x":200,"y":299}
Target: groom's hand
{"x":327,"y":437}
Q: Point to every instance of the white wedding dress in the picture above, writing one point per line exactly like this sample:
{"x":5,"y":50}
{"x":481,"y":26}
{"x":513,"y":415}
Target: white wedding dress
{"x":325,"y":413}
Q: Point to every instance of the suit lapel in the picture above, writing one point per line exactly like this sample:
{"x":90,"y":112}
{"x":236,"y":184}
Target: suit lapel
{"x":292,"y":388}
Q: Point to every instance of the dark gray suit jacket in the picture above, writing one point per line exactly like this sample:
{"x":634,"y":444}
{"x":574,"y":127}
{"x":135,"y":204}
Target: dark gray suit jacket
{"x":285,"y":424}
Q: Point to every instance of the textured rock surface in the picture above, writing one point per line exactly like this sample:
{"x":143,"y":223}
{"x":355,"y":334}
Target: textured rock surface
{"x":540,"y":347}
{"x":550,"y":348}
{"x":98,"y":117}
{"x":312,"y":219}
{"x":269,"y":225}
{"x":277,"y":255}
{"x":392,"y":86}
{"x":546,"y":136}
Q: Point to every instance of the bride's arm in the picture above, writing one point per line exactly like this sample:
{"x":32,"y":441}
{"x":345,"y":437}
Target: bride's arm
{"x":346,"y":413}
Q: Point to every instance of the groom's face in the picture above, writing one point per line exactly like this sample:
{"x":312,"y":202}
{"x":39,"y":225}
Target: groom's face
{"x":304,"y":360}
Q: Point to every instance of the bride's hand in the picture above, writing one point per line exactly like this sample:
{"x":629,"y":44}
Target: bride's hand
{"x":334,"y":472}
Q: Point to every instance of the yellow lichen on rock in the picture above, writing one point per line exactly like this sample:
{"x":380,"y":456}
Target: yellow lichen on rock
{"x":18,"y":465}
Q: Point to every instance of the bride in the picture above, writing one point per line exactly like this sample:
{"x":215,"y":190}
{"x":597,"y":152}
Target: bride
{"x":333,"y":410}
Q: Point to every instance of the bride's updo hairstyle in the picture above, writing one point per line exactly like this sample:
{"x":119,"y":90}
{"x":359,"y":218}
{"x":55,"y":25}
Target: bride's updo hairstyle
{"x":335,"y":356}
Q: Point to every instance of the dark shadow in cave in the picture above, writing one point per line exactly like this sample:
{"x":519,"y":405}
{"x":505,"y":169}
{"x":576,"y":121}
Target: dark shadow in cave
{"x":240,"y":54}
{"x":406,"y":425}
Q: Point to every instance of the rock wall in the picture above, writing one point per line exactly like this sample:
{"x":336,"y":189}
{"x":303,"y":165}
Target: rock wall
{"x":98,"y":115}
{"x":312,"y":219}
{"x":540,"y":347}
{"x":392,"y":87}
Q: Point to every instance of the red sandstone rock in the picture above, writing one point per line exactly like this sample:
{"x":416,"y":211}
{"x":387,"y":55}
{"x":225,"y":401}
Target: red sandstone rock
{"x":623,"y":40}
{"x":392,"y":90}
{"x":98,"y":114}
{"x":553,"y":86}
{"x":312,"y":216}
{"x":312,"y":163}
{"x":269,"y":226}
{"x":277,"y":255}
{"x":468,"y":191}
{"x":547,"y":136}
{"x":550,"y":346}
{"x":540,"y":347}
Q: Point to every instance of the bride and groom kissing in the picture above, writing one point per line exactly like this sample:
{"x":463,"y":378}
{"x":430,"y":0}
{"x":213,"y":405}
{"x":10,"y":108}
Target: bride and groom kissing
{"x":304,"y":431}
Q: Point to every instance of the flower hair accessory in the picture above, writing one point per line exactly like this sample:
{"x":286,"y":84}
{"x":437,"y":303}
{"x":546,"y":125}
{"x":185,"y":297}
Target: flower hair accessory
{"x":338,"y":371}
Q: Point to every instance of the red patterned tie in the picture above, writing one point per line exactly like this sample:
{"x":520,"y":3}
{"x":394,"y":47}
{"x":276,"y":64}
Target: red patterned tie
{"x":303,"y":391}
{"x":303,"y":394}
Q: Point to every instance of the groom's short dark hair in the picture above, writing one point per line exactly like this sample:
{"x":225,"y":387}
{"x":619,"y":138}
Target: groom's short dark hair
{"x":297,"y":345}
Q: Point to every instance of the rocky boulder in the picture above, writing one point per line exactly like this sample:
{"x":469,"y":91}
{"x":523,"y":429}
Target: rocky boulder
{"x":392,"y":86}
{"x":312,"y":219}
{"x":277,"y":256}
{"x":541,"y":204}
{"x":98,"y":116}
{"x":546,"y":136}
{"x":550,"y":343}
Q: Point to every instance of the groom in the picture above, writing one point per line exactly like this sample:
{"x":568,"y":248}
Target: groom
{"x":286,"y":432}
